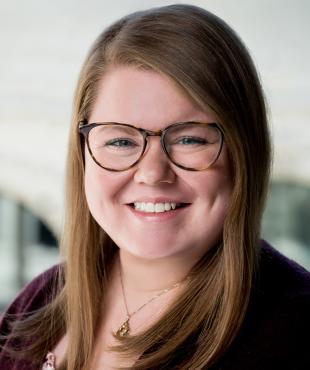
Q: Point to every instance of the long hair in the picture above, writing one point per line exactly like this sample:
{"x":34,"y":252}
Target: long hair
{"x":208,"y":61}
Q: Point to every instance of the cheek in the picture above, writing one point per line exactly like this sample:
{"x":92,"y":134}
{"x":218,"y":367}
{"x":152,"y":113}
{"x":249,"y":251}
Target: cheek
{"x":215,"y":184}
{"x":102,"y":187}
{"x":214,"y":195}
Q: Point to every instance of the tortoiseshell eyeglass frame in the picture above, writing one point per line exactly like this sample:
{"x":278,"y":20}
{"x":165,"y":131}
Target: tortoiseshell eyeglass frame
{"x":85,"y":128}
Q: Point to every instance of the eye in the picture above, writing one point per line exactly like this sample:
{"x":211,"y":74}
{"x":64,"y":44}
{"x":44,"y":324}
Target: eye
{"x":121,"y":143}
{"x":191,"y":140}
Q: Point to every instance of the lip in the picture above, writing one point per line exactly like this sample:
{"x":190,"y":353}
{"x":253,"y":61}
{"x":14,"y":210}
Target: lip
{"x":157,"y":217}
{"x":157,"y":200}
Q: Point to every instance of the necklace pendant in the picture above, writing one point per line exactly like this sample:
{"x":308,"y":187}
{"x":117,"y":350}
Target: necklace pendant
{"x":49,"y":364}
{"x":124,"y":329}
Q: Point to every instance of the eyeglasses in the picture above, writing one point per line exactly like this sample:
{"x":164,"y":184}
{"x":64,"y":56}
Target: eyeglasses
{"x":115,"y":146}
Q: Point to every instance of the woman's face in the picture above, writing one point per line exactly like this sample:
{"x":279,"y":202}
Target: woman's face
{"x":152,"y":101}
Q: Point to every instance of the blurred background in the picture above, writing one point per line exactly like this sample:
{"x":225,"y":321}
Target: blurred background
{"x":42,"y":46}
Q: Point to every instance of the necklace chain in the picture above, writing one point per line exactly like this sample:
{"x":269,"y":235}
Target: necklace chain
{"x":124,"y":329}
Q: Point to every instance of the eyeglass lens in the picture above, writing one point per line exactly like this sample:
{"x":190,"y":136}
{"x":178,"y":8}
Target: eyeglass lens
{"x":117,"y":147}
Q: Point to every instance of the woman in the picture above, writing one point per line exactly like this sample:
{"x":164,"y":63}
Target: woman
{"x":168,"y":169}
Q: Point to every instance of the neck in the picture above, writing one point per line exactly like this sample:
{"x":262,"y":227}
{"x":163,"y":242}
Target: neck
{"x":153,"y":275}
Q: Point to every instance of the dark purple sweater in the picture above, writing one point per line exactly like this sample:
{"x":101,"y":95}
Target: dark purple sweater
{"x":274,"y":335}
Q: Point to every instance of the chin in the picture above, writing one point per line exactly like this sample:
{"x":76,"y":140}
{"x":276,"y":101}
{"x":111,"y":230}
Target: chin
{"x":151,"y":252}
{"x":157,"y":250}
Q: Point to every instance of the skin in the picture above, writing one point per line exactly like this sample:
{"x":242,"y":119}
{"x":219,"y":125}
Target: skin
{"x":152,"y":101}
{"x":156,"y":251}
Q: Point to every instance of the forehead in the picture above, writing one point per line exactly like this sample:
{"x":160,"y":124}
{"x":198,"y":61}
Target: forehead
{"x":144,"y":98}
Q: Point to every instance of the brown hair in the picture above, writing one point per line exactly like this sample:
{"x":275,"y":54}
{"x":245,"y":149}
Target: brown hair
{"x":207,"y":60}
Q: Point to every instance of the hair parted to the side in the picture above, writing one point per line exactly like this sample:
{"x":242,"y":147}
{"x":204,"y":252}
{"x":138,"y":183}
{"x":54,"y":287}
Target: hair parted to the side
{"x":207,"y":60}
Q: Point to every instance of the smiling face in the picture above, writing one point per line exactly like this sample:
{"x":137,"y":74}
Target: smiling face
{"x":152,"y":101}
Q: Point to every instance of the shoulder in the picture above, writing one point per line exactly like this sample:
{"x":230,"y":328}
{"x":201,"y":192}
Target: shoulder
{"x":275,"y":331}
{"x":281,"y":278}
{"x":35,"y":294}
{"x":282,"y":298}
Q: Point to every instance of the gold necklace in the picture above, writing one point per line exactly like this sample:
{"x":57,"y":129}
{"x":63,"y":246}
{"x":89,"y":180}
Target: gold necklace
{"x":124,"y":329}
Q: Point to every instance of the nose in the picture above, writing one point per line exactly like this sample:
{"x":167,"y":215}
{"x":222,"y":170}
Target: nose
{"x":154,"y":167}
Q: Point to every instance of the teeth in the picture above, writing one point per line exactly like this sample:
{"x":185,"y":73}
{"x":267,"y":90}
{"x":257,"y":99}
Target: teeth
{"x":154,"y":207}
{"x":159,"y":207}
{"x":149,"y":207}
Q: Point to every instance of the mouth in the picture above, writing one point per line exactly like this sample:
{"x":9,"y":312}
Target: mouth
{"x":149,"y":207}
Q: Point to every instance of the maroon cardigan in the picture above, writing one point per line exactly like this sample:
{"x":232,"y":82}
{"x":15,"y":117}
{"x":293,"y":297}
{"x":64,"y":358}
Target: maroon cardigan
{"x":274,"y":335}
